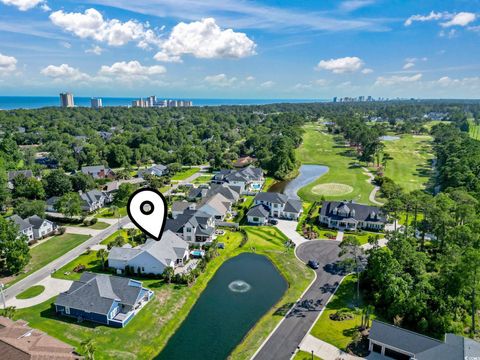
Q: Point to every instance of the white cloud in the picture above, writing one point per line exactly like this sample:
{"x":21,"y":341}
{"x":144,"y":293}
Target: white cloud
{"x":448,"y":34}
{"x":322,"y":82}
{"x":221,"y":80}
{"x":341,"y":65}
{"x":8,"y":64}
{"x":267,"y":84}
{"x":204,"y":39}
{"x":422,"y":18}
{"x":23,"y":5}
{"x":64,"y":72}
{"x":91,"y":24}
{"x":460,"y":19}
{"x":408,"y":65}
{"x":395,"y":79}
{"x":467,"y":82}
{"x":97,"y":50}
{"x":250,"y":78}
{"x":367,"y":71}
{"x":352,"y":5}
{"x":131,"y":70}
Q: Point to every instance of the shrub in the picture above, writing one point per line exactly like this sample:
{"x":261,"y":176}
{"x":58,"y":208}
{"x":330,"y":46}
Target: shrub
{"x":341,"y":315}
{"x":79,"y":268}
{"x":61,"y":230}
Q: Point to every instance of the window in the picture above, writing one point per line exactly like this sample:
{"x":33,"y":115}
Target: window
{"x":189,"y":230}
{"x":67,"y":310}
{"x":255,"y":219}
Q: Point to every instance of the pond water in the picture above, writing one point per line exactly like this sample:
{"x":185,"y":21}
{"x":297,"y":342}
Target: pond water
{"x":307,"y":174}
{"x":389,"y":138}
{"x":243,"y":289}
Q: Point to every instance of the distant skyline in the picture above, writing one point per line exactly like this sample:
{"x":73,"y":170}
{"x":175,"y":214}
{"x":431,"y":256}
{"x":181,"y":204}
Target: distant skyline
{"x":240,"y":49}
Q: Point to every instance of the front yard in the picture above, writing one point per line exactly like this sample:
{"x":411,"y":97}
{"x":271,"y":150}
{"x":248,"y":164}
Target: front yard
{"x":185,"y":173}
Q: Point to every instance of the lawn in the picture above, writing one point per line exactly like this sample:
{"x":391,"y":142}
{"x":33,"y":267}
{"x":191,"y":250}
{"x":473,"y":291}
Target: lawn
{"x":88,"y":258}
{"x":411,"y":165}
{"x":99,"y":225}
{"x":31,"y":292}
{"x":345,"y":176}
{"x":303,"y":355}
{"x":153,"y":326}
{"x":340,"y":333}
{"x":203,"y":179}
{"x":473,"y":129}
{"x":50,"y":250}
{"x":363,"y":235}
{"x":107,"y":213}
{"x":185,"y":173}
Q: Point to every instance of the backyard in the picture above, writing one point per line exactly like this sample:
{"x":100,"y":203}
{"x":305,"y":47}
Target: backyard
{"x":345,"y":178}
{"x":152,"y":327}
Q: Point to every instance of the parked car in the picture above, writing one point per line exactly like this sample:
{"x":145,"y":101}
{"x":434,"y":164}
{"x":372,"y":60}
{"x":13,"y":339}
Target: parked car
{"x":313,"y":264}
{"x":273,"y":221}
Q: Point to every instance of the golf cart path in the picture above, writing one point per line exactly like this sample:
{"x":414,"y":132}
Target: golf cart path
{"x":373,"y":193}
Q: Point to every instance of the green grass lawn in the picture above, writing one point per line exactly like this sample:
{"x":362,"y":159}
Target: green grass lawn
{"x":411,"y":164}
{"x":185,"y":173}
{"x":154,"y":325}
{"x":112,"y":237}
{"x":99,"y":225}
{"x":321,"y":148}
{"x":107,"y":213}
{"x":269,"y":182}
{"x":474,"y":130}
{"x":48,"y":251}
{"x":363,"y":236}
{"x":303,"y":355}
{"x":89,"y":259}
{"x":31,"y":292}
{"x":340,"y":333}
{"x":203,"y":179}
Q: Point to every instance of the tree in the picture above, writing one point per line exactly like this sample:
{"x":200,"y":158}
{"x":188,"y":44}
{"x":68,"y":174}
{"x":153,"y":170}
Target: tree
{"x":119,"y":241}
{"x":14,"y":251}
{"x":123,"y":194}
{"x":57,"y":183}
{"x":82,"y":182}
{"x":25,"y":208}
{"x":174,"y":168}
{"x":69,"y":204}
{"x":168,"y":274}
{"x":29,"y":188}
{"x":351,"y":247}
{"x":102,"y":254}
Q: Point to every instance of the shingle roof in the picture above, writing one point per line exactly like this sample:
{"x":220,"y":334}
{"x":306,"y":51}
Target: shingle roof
{"x":180,"y":205}
{"x":271,"y":197}
{"x":22,"y":224}
{"x":92,"y":196}
{"x":198,"y":219}
{"x":232,"y":193}
{"x":352,"y":210}
{"x":293,"y":206}
{"x":97,"y":292}
{"x":258,"y":211}
{"x":13,"y":174}
{"x":36,"y":221}
{"x":249,"y":173}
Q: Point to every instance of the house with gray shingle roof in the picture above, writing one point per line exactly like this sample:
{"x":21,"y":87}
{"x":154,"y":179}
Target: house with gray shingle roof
{"x":193,"y":226}
{"x":98,"y":172}
{"x":24,"y":227}
{"x":94,"y":200}
{"x":13,"y":174}
{"x":217,"y":205}
{"x":394,"y":342}
{"x":258,"y":215}
{"x":105,"y":299}
{"x":351,"y":216}
{"x":178,"y":207}
{"x":278,"y":205}
{"x":155,"y":170}
{"x":152,"y":257}
{"x":249,"y":179}
{"x":41,"y":227}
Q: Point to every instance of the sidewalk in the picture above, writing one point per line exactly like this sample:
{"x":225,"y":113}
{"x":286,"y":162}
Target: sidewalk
{"x":324,"y":350}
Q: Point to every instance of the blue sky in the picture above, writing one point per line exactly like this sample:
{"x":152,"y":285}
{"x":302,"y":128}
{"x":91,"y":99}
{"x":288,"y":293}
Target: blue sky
{"x":241,"y":49}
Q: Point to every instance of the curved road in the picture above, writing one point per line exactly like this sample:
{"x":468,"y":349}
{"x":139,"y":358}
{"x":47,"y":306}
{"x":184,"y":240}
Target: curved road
{"x":287,"y":336}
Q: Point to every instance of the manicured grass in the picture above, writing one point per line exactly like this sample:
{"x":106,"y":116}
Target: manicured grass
{"x":50,"y":250}
{"x":269,"y":182}
{"x":31,"y":292}
{"x":107,"y":213}
{"x":203,"y":179}
{"x":363,"y":236}
{"x":154,"y":325}
{"x":340,"y":333}
{"x":303,"y":355}
{"x":112,"y":237}
{"x":185,"y":173}
{"x":411,"y":165}
{"x":321,"y":148}
{"x":99,"y":225}
{"x":88,"y":259}
{"x":474,"y":129}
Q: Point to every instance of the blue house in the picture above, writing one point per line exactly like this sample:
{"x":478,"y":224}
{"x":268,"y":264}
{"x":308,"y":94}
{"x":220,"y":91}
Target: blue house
{"x":105,"y":299}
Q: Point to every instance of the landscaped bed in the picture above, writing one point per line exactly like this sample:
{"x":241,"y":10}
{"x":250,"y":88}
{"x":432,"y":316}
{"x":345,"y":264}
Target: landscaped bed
{"x":152,"y":327}
{"x":31,"y":292}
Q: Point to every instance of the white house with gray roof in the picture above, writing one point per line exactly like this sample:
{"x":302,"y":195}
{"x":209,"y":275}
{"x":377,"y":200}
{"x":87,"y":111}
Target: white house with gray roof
{"x":193,"y":226}
{"x":278,"y":206}
{"x":98,"y":172}
{"x":351,"y":216}
{"x":34,"y":227}
{"x":217,"y":205}
{"x":155,"y":170}
{"x":94,"y":200}
{"x":152,"y":257}
{"x":249,"y":179}
{"x":24,"y":227}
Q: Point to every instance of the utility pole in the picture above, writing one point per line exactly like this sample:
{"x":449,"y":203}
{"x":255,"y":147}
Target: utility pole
{"x":3,"y":296}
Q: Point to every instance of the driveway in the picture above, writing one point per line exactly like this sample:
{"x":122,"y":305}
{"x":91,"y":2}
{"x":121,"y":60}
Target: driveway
{"x":53,"y":287}
{"x":289,"y":228}
{"x":285,"y":339}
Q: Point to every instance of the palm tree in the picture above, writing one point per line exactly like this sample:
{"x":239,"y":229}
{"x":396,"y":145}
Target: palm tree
{"x":168,"y":273}
{"x":102,"y":254}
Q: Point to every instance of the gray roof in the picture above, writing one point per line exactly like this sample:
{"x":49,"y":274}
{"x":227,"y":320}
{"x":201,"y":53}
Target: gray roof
{"x":196,"y":192}
{"x":22,"y":224}
{"x":92,"y":196}
{"x":153,"y":170}
{"x":196,"y":218}
{"x":293,"y":206}
{"x":348,"y":209}
{"x":180,"y":205}
{"x":271,"y":197}
{"x":92,"y":169}
{"x":52,"y":201}
{"x":36,"y":221}
{"x":230,"y":192}
{"x":258,"y":211}
{"x":13,"y":174}
{"x":249,"y":173}
{"x":97,"y":293}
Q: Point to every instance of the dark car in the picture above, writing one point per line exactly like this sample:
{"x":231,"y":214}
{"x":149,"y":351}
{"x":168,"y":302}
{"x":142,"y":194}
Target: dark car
{"x":313,"y":264}
{"x":273,"y":221}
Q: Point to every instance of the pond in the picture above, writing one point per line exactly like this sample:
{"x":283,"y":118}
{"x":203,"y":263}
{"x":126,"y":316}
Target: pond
{"x":389,"y":138}
{"x":242,"y":290}
{"x":307,"y":174}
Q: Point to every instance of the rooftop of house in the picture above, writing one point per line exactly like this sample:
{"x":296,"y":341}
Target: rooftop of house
{"x":218,"y":202}
{"x":19,"y":342}
{"x":97,"y":293}
{"x":290,"y":205}
{"x":230,"y":192}
{"x":22,"y":224}
{"x":258,"y":211}
{"x":13,"y":174}
{"x":36,"y":221}
{"x":246,"y":174}
{"x":180,"y":206}
{"x":92,"y":169}
{"x":196,"y":218}
{"x":92,"y":196}
{"x":348,"y":209}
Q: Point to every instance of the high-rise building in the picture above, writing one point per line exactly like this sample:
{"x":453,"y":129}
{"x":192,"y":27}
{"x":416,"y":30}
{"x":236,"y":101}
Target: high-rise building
{"x":152,"y":101}
{"x":96,"y":103}
{"x":66,"y":100}
{"x":335,"y":99}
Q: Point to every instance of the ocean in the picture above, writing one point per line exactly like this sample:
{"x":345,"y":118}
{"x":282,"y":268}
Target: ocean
{"x":35,"y":102}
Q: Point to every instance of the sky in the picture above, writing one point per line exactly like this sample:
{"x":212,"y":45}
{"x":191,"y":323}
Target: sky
{"x":241,"y":49}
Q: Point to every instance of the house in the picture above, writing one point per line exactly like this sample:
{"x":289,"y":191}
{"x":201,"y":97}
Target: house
{"x":152,"y":257}
{"x":279,"y":205}
{"x":243,"y":161}
{"x":155,"y":170}
{"x":13,"y":174}
{"x":249,"y":179}
{"x":94,"y":200}
{"x":41,"y":227}
{"x":217,"y":205}
{"x":397,"y":343}
{"x":24,"y":227}
{"x":351,"y":216}
{"x":20,"y":342}
{"x":197,"y":193}
{"x":178,"y":207}
{"x":193,"y":226}
{"x":230,"y":192}
{"x":104,"y":299}
{"x":98,"y":172}
{"x":258,"y":215}
{"x":50,"y":204}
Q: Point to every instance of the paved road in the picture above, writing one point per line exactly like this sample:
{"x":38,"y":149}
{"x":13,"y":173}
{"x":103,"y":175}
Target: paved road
{"x":297,"y":323}
{"x":44,"y":272}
